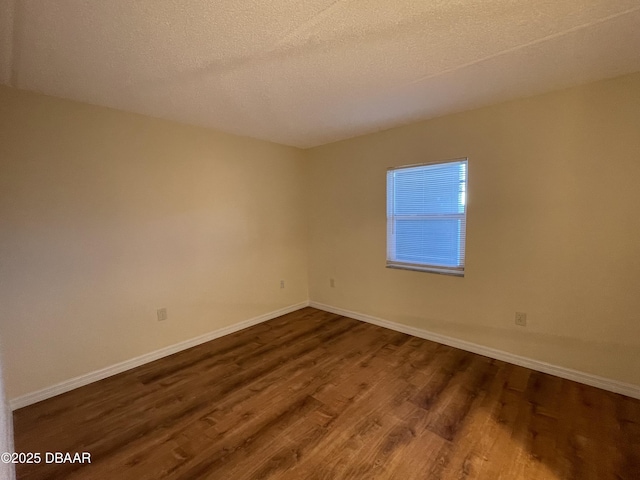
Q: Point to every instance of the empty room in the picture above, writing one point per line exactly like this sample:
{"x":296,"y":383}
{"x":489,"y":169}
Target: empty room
{"x":320,"y":239}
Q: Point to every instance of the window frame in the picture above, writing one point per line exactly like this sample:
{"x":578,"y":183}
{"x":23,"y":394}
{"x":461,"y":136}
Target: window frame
{"x":391,"y":240}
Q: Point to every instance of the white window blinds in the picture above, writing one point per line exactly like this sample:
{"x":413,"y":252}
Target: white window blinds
{"x":426,"y":217}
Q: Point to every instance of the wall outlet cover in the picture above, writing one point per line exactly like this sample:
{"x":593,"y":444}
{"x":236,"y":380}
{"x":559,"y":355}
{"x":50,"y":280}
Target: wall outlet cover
{"x":162,"y":314}
{"x":521,"y":319}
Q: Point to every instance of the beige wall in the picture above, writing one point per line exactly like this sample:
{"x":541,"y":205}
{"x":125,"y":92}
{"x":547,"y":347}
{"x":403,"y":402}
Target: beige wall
{"x":553,"y":228}
{"x":107,"y":216}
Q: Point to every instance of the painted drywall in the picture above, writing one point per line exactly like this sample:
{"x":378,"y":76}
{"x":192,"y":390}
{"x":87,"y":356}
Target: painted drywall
{"x":552,"y":228}
{"x":304,"y":73}
{"x":107,"y":216}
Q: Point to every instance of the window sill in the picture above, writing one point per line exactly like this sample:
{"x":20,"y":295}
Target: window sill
{"x":427,"y":269}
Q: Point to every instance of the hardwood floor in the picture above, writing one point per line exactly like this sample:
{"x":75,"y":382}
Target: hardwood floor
{"x":313,"y":395}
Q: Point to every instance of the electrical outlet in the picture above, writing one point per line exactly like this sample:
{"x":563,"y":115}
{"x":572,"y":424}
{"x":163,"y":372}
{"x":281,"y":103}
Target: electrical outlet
{"x":162,"y":314}
{"x":281,"y":283}
{"x":332,"y":283}
{"x":521,"y":319}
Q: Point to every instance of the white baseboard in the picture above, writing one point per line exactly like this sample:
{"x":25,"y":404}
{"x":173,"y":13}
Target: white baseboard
{"x":72,"y":383}
{"x":586,"y":378}
{"x":615,"y":386}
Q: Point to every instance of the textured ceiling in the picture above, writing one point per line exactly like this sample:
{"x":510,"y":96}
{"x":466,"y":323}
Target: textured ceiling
{"x":310,"y":72}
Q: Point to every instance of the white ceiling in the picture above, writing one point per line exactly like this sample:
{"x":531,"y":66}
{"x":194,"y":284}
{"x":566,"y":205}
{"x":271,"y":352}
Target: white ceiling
{"x":308,"y":72}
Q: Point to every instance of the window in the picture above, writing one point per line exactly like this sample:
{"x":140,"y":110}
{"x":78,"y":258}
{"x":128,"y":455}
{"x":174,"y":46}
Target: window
{"x":426,"y":217}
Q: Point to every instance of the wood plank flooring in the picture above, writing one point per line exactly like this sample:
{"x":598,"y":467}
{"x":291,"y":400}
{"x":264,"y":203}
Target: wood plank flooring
{"x":313,"y":395}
